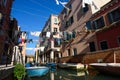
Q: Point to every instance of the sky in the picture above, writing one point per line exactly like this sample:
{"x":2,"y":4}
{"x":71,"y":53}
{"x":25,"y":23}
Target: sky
{"x":33,"y":14}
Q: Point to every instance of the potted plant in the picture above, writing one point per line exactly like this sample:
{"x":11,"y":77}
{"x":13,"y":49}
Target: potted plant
{"x":19,"y":71}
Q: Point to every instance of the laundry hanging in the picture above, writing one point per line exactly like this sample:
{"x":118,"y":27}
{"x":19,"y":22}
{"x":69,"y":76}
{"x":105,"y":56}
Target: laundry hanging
{"x":48,"y":34}
{"x":20,"y":48}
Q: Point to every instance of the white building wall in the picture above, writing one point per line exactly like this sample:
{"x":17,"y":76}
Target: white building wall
{"x":97,"y":4}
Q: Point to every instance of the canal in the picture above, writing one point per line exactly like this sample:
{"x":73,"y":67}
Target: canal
{"x":66,"y":74}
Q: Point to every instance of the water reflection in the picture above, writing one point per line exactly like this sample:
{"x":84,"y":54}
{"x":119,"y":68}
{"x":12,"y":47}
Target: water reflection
{"x":63,"y":74}
{"x":72,"y":75}
{"x":52,"y":76}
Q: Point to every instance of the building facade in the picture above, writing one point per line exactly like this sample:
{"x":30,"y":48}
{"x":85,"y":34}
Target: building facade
{"x":75,"y":19}
{"x":6,"y":31}
{"x":106,"y":23}
{"x":50,"y":40}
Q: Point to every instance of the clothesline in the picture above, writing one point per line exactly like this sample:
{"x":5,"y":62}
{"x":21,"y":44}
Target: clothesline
{"x":35,"y":49}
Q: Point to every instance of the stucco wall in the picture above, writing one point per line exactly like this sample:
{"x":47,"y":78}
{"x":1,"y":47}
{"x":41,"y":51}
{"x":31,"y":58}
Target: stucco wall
{"x":111,"y":36}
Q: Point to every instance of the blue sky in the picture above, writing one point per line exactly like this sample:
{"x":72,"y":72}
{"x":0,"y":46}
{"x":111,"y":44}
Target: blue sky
{"x":32,"y":15}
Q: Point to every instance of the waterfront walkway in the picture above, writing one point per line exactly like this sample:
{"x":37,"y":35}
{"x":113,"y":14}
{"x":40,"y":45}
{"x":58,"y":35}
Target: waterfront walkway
{"x":5,"y":71}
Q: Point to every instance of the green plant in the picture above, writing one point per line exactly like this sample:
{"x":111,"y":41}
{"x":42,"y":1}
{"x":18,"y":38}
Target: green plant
{"x":19,"y":71}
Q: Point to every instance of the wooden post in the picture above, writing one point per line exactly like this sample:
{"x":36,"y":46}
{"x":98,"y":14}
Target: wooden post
{"x":114,"y":57}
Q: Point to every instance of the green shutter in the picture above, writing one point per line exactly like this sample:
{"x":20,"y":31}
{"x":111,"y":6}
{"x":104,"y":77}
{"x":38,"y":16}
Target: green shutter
{"x":88,"y":25}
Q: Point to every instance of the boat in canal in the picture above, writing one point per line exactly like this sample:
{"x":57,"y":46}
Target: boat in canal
{"x":107,"y":68}
{"x":72,"y":66}
{"x":37,"y":71}
{"x":52,"y":65}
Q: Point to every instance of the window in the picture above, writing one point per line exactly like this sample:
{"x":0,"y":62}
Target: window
{"x":114,"y":15}
{"x":66,"y":24}
{"x":103,"y":45}
{"x":71,"y":20}
{"x":57,"y":42}
{"x":74,"y":51}
{"x":70,"y":6}
{"x":4,"y":1}
{"x":55,"y":20}
{"x":65,"y":36}
{"x":80,"y":13}
{"x":67,"y":11}
{"x":119,"y":41}
{"x":88,"y":25}
{"x":69,"y":35}
{"x":73,"y":34}
{"x":92,"y":46}
{"x":85,"y":9}
{"x":99,"y":23}
{"x":55,"y":31}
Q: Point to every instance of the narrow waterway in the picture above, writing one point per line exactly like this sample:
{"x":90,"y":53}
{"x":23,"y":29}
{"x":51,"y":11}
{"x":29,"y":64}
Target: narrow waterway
{"x":65,"y":74}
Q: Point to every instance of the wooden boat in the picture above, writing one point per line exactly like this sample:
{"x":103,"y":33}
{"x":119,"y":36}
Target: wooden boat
{"x":36,"y":71}
{"x":72,"y":66}
{"x":108,"y":68}
{"x":52,"y":65}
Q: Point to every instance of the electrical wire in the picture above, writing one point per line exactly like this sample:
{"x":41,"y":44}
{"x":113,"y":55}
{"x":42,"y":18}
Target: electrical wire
{"x":35,"y":2}
{"x":34,"y":9}
{"x":26,"y":12}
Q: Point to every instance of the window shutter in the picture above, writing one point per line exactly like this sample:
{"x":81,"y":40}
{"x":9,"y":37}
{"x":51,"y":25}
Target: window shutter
{"x":85,"y":9}
{"x":110,"y":17}
{"x":65,"y":36}
{"x":88,"y":25}
{"x":73,"y":34}
{"x":68,"y":36}
{"x":72,"y":20}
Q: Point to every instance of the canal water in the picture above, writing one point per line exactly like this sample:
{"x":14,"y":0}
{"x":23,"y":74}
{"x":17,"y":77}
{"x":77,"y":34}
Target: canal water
{"x":66,"y":74}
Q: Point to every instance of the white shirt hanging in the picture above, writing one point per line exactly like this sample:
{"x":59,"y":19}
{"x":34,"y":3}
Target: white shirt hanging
{"x":48,"y":34}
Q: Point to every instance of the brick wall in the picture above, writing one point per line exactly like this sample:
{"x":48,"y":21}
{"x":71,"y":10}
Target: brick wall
{"x":105,"y":56}
{"x":5,"y":11}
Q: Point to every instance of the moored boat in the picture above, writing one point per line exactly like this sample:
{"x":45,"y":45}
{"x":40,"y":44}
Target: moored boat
{"x":37,"y":71}
{"x":52,"y":65}
{"x":72,"y":66}
{"x":107,"y":68}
